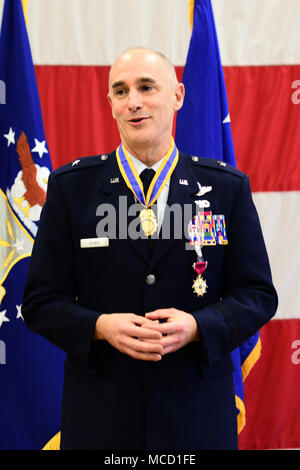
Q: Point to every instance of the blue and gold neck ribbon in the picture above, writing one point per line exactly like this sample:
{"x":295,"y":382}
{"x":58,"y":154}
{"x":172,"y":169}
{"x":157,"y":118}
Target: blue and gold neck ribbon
{"x":161,"y":177}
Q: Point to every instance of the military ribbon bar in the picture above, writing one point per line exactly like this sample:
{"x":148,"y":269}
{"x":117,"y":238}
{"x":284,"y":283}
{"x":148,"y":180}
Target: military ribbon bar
{"x":207,"y":229}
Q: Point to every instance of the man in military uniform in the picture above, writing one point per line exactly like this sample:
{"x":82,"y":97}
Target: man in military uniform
{"x":148,"y":322}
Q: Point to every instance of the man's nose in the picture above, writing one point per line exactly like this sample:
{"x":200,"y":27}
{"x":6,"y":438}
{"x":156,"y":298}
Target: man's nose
{"x":134,"y":101}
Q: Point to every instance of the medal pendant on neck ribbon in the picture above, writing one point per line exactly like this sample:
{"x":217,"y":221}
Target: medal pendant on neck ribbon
{"x":148,"y":221}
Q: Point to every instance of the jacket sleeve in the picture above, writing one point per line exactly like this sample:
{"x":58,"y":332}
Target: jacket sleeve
{"x":49,"y":304}
{"x":248,"y":297}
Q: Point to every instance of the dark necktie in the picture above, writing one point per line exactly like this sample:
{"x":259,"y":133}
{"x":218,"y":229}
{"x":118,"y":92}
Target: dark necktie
{"x":146,"y":178}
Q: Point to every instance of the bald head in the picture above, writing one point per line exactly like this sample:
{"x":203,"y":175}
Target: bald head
{"x":149,"y":55}
{"x":144,"y":95}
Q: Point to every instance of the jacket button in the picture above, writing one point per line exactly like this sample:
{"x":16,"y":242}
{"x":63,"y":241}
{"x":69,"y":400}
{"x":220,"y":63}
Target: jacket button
{"x":150,"y":279}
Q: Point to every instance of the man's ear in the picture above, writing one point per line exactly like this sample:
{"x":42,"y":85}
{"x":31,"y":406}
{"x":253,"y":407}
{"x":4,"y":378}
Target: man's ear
{"x":110,"y":102}
{"x":179,"y":96}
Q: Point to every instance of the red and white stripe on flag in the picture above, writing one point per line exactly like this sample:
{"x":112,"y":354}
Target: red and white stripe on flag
{"x":73,"y":45}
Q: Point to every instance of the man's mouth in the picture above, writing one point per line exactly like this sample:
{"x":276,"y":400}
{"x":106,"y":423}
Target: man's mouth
{"x":138,"y":120}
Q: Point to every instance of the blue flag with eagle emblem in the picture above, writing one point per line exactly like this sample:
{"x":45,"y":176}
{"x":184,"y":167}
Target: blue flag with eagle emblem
{"x":203,"y":128}
{"x":31,"y":369}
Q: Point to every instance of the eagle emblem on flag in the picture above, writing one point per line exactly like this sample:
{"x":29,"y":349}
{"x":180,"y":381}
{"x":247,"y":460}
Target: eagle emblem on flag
{"x":23,"y":202}
{"x":30,"y":186}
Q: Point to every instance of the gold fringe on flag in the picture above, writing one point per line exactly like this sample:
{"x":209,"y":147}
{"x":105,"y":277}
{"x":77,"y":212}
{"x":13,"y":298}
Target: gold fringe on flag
{"x":191,"y":12}
{"x":54,"y":443}
{"x":241,"y":418}
{"x":247,"y":366}
{"x":253,"y":357}
{"x":25,"y":4}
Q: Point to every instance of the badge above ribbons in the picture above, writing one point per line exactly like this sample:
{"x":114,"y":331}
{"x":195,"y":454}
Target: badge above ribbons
{"x":205,"y":229}
{"x":134,"y":183}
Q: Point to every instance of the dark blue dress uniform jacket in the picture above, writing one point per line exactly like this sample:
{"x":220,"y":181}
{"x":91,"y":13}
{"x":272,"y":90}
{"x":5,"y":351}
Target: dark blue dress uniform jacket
{"x":110,"y":400}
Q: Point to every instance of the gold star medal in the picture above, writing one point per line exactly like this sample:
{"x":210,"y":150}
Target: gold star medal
{"x":134,"y":183}
{"x":199,"y":286}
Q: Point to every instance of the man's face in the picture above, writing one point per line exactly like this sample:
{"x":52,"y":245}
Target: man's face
{"x":144,"y":96}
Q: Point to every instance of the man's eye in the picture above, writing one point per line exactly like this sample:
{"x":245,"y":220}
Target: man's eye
{"x":146,"y":87}
{"x":120,"y":92}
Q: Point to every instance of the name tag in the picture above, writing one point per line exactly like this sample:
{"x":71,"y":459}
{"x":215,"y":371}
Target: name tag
{"x":94,"y":242}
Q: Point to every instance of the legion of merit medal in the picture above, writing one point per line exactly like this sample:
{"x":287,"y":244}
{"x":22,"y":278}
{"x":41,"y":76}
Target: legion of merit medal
{"x":134,"y":183}
{"x":199,"y":285}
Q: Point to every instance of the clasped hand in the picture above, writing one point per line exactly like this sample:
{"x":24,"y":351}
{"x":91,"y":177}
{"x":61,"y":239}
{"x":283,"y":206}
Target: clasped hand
{"x":147,"y":338}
